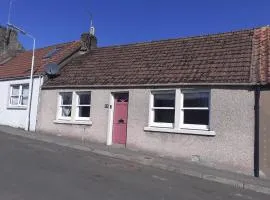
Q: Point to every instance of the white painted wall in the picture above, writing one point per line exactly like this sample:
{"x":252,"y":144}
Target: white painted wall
{"x":17,"y":117}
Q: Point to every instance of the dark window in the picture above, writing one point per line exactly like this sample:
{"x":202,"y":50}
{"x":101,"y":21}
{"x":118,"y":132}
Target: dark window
{"x":196,"y":108}
{"x":164,"y":107}
{"x":66,"y":104}
{"x":121,"y":97}
{"x":164,"y":100}
{"x":164,"y":116}
{"x":84,"y":103}
{"x":67,"y":98}
{"x":84,"y":99}
{"x":200,"y":117}
{"x":199,"y":99}
{"x":84,"y":111}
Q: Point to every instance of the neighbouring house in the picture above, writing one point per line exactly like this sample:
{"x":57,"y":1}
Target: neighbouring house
{"x":15,"y":80}
{"x":196,"y":98}
{"x":9,"y":44}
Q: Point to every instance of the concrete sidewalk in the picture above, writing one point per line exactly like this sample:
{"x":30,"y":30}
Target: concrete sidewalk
{"x":178,"y":166}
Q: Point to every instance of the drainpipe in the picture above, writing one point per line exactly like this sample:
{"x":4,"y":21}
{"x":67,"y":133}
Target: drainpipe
{"x":257,"y":131}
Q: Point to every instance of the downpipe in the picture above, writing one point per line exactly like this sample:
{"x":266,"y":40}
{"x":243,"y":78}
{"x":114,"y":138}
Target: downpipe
{"x":257,"y":132}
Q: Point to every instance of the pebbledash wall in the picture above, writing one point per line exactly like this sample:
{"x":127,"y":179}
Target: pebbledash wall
{"x":264,"y":121}
{"x":231,"y":117}
{"x":16,"y":117}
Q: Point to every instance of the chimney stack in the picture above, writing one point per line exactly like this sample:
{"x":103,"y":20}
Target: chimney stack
{"x":89,"y":40}
{"x":9,"y":43}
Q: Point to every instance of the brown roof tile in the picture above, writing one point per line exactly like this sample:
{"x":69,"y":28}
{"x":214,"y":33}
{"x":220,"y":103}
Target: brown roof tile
{"x":261,"y":55}
{"x":231,"y":57}
{"x":20,"y":65}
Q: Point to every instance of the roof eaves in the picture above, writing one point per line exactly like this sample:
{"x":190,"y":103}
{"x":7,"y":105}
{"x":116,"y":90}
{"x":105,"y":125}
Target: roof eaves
{"x":147,"y":85}
{"x":19,"y":77}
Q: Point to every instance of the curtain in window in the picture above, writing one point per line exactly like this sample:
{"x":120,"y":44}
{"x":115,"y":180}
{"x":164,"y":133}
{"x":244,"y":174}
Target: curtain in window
{"x":66,"y":111}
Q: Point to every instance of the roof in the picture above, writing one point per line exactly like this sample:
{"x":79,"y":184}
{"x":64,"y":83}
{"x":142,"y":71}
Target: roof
{"x":230,"y":58}
{"x":20,"y":65}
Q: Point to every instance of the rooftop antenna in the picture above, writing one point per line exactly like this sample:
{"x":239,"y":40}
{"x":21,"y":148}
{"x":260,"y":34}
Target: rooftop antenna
{"x":9,"y":11}
{"x":92,"y":28}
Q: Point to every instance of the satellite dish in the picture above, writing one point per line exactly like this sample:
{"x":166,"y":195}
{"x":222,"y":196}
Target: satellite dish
{"x":51,"y":69}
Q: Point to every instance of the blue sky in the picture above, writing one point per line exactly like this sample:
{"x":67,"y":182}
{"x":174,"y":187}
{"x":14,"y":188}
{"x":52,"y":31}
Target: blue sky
{"x":129,"y":21}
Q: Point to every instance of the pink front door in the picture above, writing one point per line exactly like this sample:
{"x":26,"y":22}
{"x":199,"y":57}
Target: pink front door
{"x":120,"y":118}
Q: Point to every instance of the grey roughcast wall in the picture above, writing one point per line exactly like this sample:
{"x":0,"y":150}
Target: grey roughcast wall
{"x":264,"y":151}
{"x":231,"y":117}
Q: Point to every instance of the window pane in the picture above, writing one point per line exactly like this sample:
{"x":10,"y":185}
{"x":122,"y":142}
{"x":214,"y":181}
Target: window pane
{"x":24,"y":101}
{"x":14,"y":100}
{"x":84,"y":111}
{"x":15,"y":90}
{"x":25,"y":90}
{"x":164,"y":100}
{"x":84,"y":99}
{"x":196,"y":117}
{"x":164,"y":116}
{"x":121,"y":97}
{"x":199,"y":99}
{"x":66,"y":98}
{"x":66,"y":111}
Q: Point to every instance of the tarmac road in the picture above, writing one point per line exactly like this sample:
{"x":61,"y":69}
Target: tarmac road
{"x":34,"y":170}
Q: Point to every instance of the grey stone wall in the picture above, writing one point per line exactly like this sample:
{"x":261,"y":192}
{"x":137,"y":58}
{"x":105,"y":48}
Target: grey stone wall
{"x":99,"y":117}
{"x":264,"y":151}
{"x":231,"y":117}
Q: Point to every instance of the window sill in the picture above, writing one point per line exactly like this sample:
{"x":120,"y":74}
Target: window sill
{"x":61,"y":121}
{"x":17,"y":107}
{"x":181,"y":131}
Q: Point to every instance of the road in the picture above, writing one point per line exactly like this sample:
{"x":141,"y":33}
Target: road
{"x":34,"y":170}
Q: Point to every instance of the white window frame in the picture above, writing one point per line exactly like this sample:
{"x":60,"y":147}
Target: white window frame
{"x":60,"y":106}
{"x":84,"y":105}
{"x":152,"y":110}
{"x":74,"y":118}
{"x":20,"y":95}
{"x":182,"y":110}
{"x":179,"y":110}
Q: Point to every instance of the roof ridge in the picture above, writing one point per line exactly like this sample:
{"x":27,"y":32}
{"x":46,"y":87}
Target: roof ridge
{"x":182,"y":38}
{"x":53,"y":45}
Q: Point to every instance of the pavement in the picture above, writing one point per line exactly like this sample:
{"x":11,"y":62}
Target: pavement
{"x":179,"y":167}
{"x":32,"y":169}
